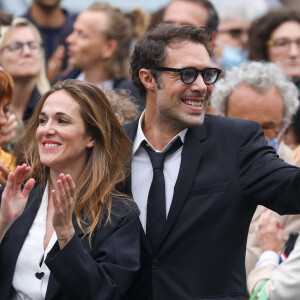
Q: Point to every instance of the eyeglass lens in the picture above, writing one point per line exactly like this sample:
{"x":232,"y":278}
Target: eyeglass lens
{"x":285,"y":43}
{"x":18,"y":47}
{"x":209,"y":75}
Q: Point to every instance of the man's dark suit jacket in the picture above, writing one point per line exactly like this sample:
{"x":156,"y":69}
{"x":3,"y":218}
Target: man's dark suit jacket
{"x":226,"y":170}
{"x":103,"y":272}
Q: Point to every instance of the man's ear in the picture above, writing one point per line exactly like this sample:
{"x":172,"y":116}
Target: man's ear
{"x":110,"y":48}
{"x":147,"y":79}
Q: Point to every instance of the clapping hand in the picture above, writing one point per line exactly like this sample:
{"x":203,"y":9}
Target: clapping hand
{"x":64,"y":202}
{"x":13,"y":199}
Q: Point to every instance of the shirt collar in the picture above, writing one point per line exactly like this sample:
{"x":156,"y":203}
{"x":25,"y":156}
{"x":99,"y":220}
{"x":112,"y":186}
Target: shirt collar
{"x":140,"y":137}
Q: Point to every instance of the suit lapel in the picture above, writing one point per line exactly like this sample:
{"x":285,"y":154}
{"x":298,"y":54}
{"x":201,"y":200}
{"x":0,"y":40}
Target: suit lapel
{"x":190,"y":159}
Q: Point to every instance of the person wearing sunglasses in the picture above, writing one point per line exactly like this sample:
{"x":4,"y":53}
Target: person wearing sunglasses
{"x":196,"y":178}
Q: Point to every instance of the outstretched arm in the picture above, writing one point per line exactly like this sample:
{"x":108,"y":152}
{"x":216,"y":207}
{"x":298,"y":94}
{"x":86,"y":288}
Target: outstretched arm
{"x":13,"y":199}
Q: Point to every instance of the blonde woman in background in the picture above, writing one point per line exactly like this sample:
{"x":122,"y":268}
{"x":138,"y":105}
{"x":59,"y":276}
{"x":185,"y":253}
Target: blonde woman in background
{"x":22,"y":56}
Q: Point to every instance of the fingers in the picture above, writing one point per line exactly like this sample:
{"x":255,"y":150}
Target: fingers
{"x":55,"y":63}
{"x":4,"y":171}
{"x":55,"y":201}
{"x":68,"y":184}
{"x":59,"y":53}
{"x":11,"y":124}
{"x":20,"y":173}
{"x":28,"y":187}
{"x":63,"y":203}
{"x":64,"y":197}
{"x":2,"y":179}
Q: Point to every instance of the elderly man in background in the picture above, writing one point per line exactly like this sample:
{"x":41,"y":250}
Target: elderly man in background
{"x":260,"y":92}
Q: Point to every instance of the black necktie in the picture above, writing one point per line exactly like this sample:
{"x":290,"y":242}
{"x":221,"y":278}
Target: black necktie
{"x":156,"y":205}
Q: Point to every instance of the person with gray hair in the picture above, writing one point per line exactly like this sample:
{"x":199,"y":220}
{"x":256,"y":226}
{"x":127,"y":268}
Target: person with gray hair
{"x":260,"y":92}
{"x":260,"y":78}
{"x":231,"y":44}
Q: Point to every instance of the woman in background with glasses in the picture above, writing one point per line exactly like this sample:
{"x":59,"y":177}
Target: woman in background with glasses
{"x":22,"y":56}
{"x":275,"y":37}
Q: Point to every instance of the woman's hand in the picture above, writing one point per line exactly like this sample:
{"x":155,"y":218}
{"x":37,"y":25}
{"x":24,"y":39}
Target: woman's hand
{"x":63,"y":202}
{"x":4,"y":171}
{"x":13,"y":199}
{"x":9,"y":131}
{"x":55,"y":62}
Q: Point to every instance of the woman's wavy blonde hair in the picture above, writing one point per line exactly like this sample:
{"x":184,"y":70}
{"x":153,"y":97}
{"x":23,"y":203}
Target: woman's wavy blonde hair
{"x":107,"y":161}
{"x":42,"y":81}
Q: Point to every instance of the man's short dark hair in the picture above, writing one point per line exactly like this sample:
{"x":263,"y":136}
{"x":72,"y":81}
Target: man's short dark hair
{"x":149,"y":51}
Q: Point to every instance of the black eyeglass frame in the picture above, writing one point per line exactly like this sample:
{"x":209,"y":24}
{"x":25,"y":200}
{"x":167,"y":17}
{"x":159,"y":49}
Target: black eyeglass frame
{"x":197,"y":71}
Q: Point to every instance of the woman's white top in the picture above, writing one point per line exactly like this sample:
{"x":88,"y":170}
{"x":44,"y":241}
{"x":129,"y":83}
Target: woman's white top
{"x":26,"y":284}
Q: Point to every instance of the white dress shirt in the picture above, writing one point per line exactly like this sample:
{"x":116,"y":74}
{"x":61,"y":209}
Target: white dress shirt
{"x":142,"y":171}
{"x":25,"y":283}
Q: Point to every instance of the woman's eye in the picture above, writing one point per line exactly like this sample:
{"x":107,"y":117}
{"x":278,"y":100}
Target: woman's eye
{"x":42,"y":121}
{"x":63,"y":121}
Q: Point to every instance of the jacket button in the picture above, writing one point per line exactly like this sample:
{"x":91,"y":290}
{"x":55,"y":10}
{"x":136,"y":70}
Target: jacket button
{"x":155,"y":264}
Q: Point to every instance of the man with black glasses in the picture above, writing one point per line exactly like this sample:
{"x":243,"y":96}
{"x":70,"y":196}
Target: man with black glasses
{"x":194,"y":177}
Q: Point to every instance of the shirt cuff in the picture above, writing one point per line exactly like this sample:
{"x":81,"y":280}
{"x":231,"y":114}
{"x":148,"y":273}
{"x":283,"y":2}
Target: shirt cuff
{"x":268,"y":258}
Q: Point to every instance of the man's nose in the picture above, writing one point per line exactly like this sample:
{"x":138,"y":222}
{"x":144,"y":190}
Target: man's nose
{"x":70,"y":38}
{"x":199,"y":84}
